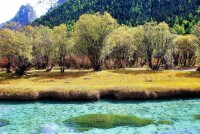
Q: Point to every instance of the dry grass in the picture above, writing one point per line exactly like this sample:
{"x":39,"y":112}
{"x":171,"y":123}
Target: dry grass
{"x":92,"y":82}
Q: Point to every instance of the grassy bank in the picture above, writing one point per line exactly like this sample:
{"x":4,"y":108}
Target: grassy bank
{"x":88,"y":85}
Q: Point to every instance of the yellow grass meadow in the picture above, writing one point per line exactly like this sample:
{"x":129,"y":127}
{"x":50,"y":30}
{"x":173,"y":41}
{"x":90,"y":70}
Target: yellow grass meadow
{"x":127,"y":79}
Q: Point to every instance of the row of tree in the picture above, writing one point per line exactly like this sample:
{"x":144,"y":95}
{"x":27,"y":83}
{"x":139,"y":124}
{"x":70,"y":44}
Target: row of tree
{"x":33,"y":46}
{"x":100,"y":39}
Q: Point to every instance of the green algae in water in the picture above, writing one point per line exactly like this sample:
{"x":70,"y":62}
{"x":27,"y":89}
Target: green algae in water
{"x":46,"y":117}
{"x":196,"y":116}
{"x":106,"y":121}
{"x":164,"y":122}
{"x":4,"y":122}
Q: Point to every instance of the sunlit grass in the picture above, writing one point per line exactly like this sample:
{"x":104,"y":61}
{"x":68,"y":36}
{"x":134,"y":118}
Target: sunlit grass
{"x":89,"y":81}
{"x":90,"y":86}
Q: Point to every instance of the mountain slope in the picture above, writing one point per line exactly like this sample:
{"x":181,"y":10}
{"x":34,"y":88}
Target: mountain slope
{"x":28,"y":13}
{"x":130,"y":12}
{"x":24,"y":16}
{"x":43,"y":6}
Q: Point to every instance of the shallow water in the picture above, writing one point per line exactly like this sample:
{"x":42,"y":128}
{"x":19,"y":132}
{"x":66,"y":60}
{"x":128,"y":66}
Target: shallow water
{"x":47,"y":117}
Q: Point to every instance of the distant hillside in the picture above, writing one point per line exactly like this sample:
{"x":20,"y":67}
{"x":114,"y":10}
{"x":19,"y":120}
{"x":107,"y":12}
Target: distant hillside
{"x":43,"y":6}
{"x":28,"y":13}
{"x":180,"y":14}
{"x":24,"y":16}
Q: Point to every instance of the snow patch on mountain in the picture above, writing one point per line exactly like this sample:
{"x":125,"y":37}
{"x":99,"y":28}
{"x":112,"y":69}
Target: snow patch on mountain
{"x":28,"y":13}
{"x":43,"y":6}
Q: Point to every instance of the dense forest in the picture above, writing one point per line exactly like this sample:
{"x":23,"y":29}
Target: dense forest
{"x":181,"y":15}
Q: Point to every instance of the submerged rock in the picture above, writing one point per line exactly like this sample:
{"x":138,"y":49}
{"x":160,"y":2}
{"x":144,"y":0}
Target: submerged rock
{"x":49,"y":128}
{"x":3,"y":122}
{"x":182,"y":131}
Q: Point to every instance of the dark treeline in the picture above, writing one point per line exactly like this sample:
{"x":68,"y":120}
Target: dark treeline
{"x":181,"y":15}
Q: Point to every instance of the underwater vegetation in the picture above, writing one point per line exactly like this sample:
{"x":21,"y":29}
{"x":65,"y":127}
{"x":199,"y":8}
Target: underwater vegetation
{"x":3,"y":122}
{"x":106,"y":121}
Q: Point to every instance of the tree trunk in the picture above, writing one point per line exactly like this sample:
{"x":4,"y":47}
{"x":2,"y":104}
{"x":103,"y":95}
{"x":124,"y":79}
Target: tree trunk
{"x":159,"y":64}
{"x":198,"y":69}
{"x":176,"y":61}
{"x":97,"y":67}
{"x":135,"y":57}
{"x":96,"y":62}
{"x":190,"y":56}
{"x":22,"y":69}
{"x":150,"y":63}
{"x":62,"y":68}
{"x":175,"y":57}
{"x":143,"y":62}
{"x":49,"y":69}
{"x":185,"y":60}
{"x":46,"y":58}
{"x":8,"y":67}
{"x":149,"y":58}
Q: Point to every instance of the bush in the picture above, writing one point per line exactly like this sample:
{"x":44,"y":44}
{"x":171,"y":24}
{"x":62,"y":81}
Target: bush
{"x":78,"y":62}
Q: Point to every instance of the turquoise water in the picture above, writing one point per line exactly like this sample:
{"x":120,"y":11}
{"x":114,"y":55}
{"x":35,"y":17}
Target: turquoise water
{"x":47,"y":117}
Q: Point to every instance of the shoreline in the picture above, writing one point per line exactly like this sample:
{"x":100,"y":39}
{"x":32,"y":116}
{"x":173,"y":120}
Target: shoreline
{"x":75,"y":85}
{"x":109,"y":94}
